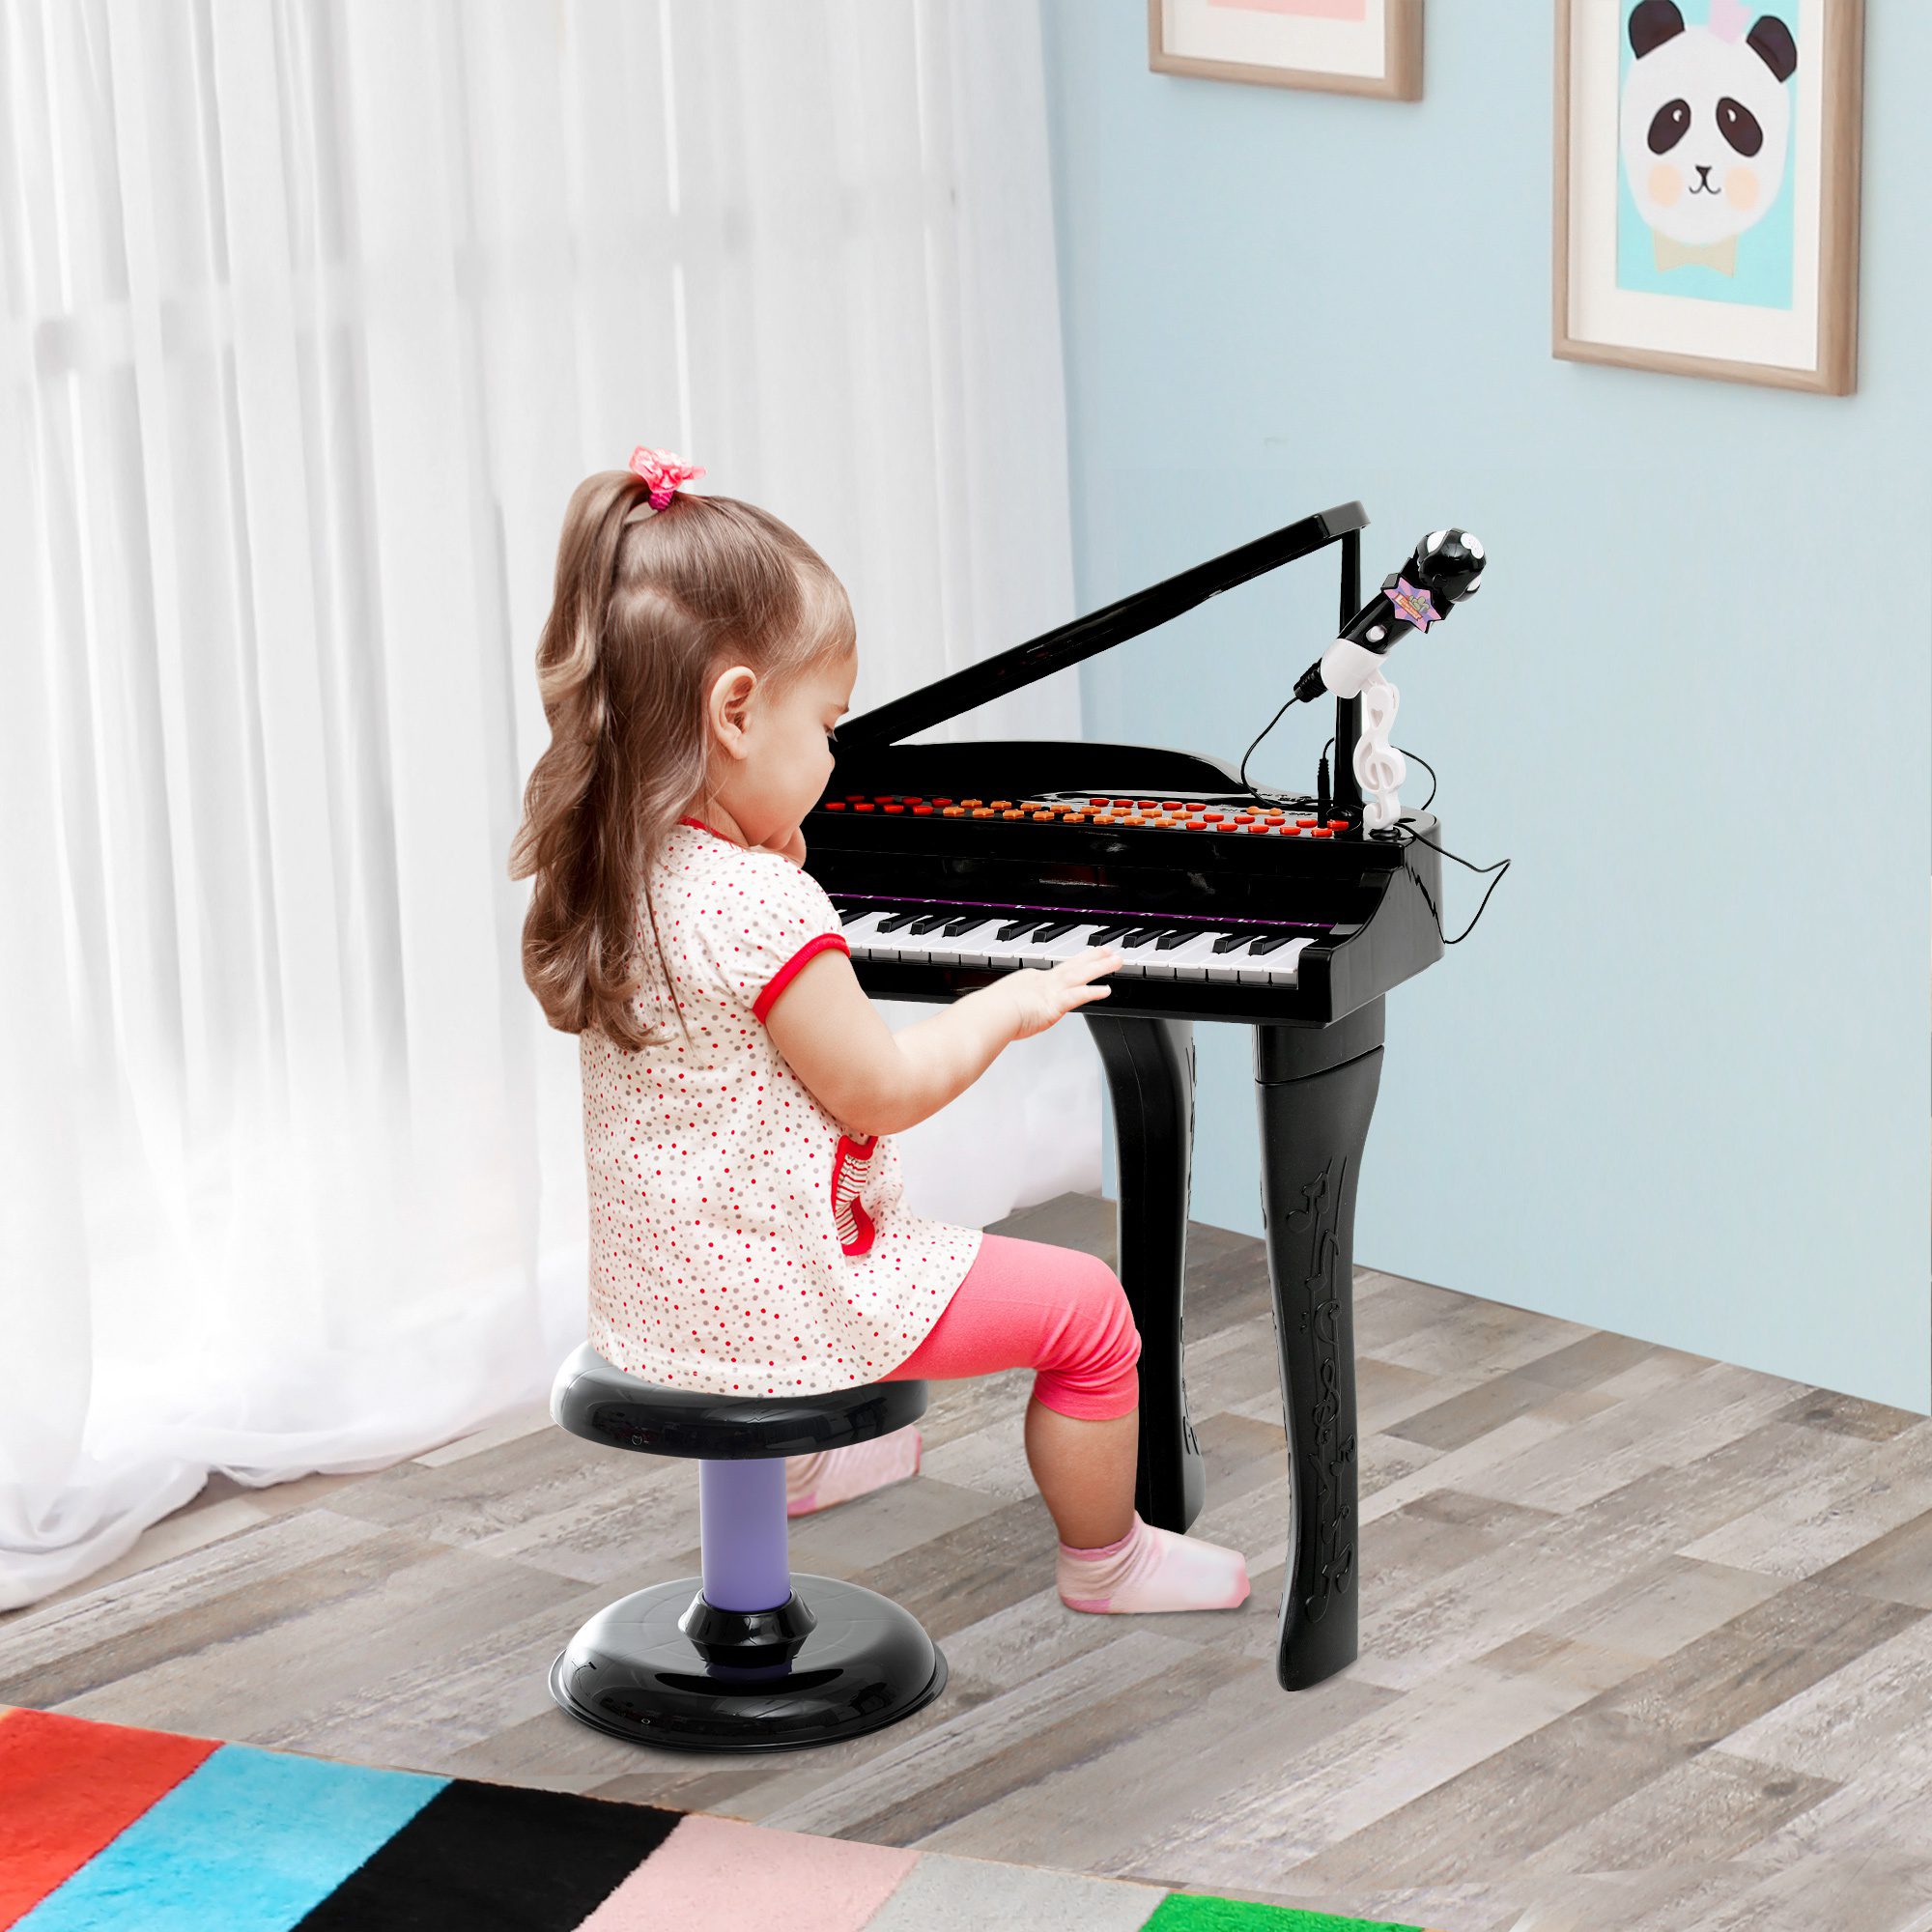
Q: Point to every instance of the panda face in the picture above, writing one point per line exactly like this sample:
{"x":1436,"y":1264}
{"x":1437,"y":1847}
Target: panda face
{"x":1706,"y":122}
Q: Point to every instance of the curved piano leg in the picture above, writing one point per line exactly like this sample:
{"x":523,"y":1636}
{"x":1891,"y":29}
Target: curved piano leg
{"x":1150,"y":1066}
{"x":1316,"y":1090}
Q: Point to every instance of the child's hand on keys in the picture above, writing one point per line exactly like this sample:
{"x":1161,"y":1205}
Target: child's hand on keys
{"x":1040,"y":995}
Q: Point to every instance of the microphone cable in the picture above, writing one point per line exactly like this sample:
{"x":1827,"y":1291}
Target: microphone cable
{"x":1400,"y":832}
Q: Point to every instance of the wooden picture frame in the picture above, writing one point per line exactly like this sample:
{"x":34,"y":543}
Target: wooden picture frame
{"x":1627,"y":293}
{"x":1282,"y":44}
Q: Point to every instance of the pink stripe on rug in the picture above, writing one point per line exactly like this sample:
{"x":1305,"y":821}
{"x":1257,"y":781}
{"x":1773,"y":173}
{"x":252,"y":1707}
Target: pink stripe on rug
{"x":721,"y":1871}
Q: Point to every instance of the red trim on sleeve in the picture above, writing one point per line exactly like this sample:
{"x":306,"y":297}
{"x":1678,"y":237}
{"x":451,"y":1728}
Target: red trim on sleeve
{"x":782,"y":979}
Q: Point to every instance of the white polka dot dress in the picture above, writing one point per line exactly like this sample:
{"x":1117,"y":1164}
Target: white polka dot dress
{"x":742,"y":1241}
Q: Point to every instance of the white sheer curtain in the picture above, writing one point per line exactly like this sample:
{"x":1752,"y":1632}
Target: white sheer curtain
{"x":313,"y":316}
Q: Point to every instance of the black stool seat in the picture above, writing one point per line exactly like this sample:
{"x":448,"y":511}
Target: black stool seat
{"x":602,"y":1403}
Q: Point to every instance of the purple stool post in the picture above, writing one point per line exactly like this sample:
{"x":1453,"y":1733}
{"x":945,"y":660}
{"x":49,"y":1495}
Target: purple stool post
{"x":741,"y":1527}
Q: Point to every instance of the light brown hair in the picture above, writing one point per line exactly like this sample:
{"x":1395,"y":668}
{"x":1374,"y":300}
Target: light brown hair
{"x":649,"y":606}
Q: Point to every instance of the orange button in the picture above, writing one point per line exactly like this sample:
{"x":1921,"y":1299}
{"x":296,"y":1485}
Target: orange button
{"x":970,"y":802}
{"x":982,"y":812}
{"x":954,"y":811}
{"x":1043,"y":813}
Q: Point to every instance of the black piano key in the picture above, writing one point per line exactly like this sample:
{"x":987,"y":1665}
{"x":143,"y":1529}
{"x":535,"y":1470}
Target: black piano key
{"x":1054,"y":930}
{"x":1014,"y":927}
{"x":848,"y":914}
{"x":899,"y":919}
{"x":1229,"y":941}
{"x":969,"y":922}
{"x":1179,"y":936}
{"x":1270,"y":944}
{"x":1141,"y":935}
{"x":930,"y":923}
{"x":1107,"y":934}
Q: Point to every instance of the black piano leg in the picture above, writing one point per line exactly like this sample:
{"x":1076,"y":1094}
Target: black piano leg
{"x":1317,"y":1089}
{"x":1149,"y":1067}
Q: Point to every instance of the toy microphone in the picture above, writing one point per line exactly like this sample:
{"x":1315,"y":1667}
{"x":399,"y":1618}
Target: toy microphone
{"x":1445,"y":568}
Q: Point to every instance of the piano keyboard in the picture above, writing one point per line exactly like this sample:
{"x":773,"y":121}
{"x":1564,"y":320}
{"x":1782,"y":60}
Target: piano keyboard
{"x":1226,"y":953}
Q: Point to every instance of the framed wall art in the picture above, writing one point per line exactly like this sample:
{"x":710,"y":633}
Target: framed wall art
{"x":1707,"y":187}
{"x":1347,"y":46}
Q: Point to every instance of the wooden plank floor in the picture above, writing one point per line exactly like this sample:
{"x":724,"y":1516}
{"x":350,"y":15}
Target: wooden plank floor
{"x":1646,"y":1643}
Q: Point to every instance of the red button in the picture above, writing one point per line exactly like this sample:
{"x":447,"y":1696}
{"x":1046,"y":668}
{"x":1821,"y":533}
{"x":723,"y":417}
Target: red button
{"x":1321,"y":832}
{"x":1337,"y":824}
{"x":922,"y":812}
{"x":1304,"y":823}
{"x":834,"y":804}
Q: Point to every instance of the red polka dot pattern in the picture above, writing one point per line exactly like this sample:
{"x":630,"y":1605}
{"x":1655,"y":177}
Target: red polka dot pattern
{"x":716,"y":1261}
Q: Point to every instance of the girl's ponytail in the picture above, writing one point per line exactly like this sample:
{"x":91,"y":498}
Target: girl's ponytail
{"x":648,"y":607}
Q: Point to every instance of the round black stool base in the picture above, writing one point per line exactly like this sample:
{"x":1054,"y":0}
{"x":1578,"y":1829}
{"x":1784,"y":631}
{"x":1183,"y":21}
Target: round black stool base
{"x":865,"y":1663}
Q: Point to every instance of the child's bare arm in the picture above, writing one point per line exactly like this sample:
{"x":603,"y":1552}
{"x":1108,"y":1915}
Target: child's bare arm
{"x":879,"y":1082}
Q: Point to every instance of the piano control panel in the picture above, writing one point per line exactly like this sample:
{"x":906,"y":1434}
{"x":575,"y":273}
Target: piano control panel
{"x":1173,"y":814}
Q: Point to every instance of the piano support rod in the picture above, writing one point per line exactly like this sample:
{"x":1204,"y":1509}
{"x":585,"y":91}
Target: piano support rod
{"x":1349,"y":710}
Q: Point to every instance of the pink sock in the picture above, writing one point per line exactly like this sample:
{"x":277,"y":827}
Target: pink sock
{"x":1151,"y":1569}
{"x":828,"y":1476}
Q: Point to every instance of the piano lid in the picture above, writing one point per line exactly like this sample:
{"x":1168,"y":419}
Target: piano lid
{"x":1098,"y":631}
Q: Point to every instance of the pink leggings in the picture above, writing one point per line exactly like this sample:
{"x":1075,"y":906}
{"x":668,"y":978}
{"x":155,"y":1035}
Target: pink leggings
{"x":1033,"y":1305}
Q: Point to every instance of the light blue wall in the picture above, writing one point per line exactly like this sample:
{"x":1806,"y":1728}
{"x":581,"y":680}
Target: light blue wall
{"x":1675,"y":1084}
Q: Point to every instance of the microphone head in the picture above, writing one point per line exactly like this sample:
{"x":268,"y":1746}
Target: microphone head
{"x":1450,"y":563}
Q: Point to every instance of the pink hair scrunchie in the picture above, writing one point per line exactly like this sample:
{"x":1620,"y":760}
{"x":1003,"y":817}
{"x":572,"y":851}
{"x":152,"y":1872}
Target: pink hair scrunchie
{"x":663,"y":472}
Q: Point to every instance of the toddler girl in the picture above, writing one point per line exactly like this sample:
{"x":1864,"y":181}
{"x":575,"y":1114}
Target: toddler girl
{"x":748,"y":1229}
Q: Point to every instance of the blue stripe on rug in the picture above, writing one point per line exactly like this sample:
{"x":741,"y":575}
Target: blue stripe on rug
{"x":249,"y":1841}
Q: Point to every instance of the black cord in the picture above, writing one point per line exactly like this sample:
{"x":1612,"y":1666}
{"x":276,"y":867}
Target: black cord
{"x":1403,"y":834}
{"x":1399,"y":833}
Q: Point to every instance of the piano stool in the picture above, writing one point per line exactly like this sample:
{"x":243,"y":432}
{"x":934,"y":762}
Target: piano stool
{"x":746,"y":1657}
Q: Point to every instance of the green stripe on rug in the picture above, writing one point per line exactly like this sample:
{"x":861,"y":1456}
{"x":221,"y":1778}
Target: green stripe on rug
{"x":1195,"y":1911}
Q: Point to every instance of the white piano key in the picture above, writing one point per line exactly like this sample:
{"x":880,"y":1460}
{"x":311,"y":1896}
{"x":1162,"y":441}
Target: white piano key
{"x":866,"y":940}
{"x":1276,"y":968}
{"x":1186,"y":961}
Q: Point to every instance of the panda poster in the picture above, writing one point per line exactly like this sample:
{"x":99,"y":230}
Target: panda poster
{"x":1707,"y":187}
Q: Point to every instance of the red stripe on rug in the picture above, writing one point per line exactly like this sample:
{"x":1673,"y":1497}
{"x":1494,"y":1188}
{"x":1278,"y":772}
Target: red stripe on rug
{"x":71,"y":1785}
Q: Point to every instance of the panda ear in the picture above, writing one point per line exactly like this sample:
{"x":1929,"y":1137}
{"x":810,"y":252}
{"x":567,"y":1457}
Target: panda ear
{"x":1771,"y":41}
{"x":1653,"y":23}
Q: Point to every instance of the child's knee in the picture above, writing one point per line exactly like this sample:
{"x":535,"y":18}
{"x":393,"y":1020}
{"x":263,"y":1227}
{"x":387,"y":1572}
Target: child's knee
{"x":1110,"y":1342}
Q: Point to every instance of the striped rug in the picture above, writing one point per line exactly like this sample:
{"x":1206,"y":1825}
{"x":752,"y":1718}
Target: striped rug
{"x":106,"y":1828}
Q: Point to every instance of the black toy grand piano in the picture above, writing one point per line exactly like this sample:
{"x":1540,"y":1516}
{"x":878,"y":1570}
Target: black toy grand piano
{"x":951,"y":864}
